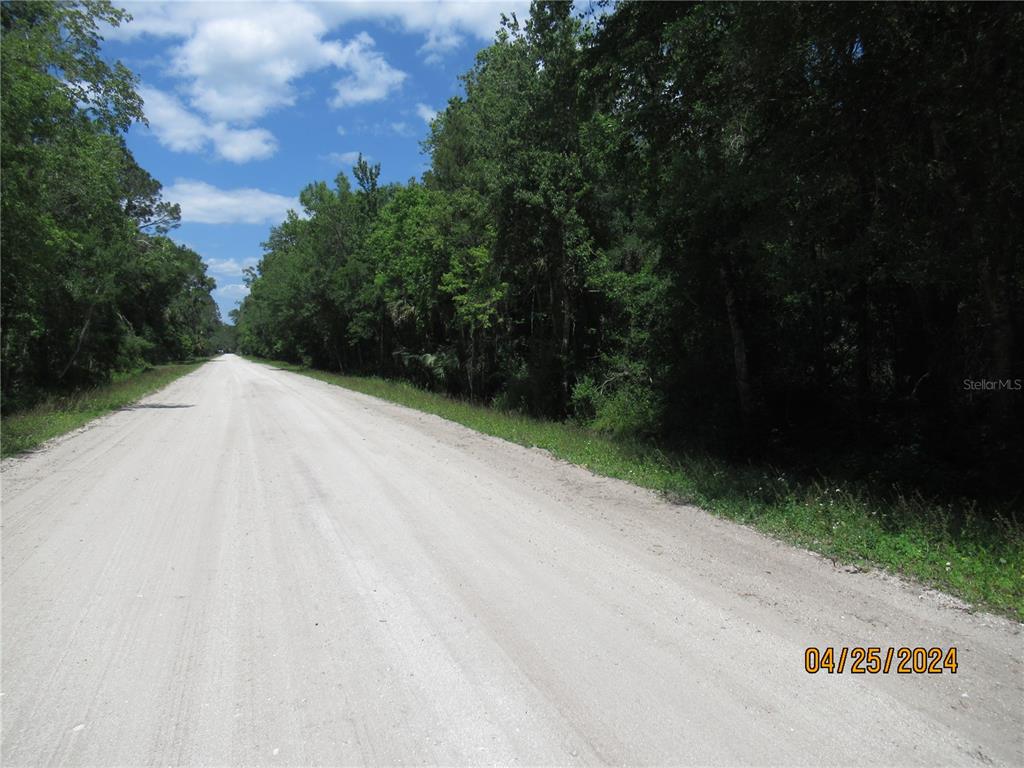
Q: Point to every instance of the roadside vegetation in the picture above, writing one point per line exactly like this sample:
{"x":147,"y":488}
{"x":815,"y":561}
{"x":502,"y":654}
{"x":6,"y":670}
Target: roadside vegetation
{"x":784,"y":232}
{"x":92,"y":285}
{"x":954,"y":546}
{"x":755,"y":235}
{"x":61,"y":413}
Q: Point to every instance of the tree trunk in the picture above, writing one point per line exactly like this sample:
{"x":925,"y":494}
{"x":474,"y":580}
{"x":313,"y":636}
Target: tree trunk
{"x":744,"y":391}
{"x":863,"y":360}
{"x":380,"y":345}
{"x":337,"y":356}
{"x":78,"y":346}
{"x":472,"y":361}
{"x":1000,"y":337}
{"x":564,"y":352}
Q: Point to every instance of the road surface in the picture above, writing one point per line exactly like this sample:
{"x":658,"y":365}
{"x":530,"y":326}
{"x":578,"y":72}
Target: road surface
{"x":255,"y":568}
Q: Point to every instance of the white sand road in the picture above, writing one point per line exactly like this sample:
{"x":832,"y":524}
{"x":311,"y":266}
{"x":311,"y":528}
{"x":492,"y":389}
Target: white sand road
{"x":255,"y":568}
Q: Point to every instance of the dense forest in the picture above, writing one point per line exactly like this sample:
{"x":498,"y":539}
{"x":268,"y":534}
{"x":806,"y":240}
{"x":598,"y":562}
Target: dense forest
{"x":91,"y":283}
{"x":783,"y":230}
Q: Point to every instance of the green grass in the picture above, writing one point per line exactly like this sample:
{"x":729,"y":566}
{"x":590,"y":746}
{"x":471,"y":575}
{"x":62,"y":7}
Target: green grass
{"x":949,"y":546}
{"x":57,"y":415}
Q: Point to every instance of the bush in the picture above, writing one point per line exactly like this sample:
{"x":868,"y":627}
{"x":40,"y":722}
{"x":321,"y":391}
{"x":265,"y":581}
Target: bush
{"x":433,"y":370}
{"x":515,"y":396}
{"x":626,"y":407}
{"x":133,"y":353}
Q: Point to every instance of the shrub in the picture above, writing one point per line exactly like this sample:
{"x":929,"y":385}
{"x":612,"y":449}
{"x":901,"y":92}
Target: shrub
{"x":623,"y":407}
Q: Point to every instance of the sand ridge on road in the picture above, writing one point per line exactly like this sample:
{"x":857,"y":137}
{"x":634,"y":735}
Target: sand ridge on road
{"x":280,"y":572}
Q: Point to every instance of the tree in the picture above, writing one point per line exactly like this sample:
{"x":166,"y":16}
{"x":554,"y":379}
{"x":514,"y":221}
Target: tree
{"x":83,"y":256}
{"x":772,"y":228}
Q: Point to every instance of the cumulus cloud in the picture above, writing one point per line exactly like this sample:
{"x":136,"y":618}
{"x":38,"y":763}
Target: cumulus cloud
{"x":239,"y":63}
{"x":426,"y":113}
{"x":439,"y":42}
{"x":203,"y":203}
{"x":236,"y":291}
{"x":371,"y":78}
{"x":181,"y":130}
{"x":242,"y":65}
{"x":166,"y":19}
{"x":443,"y":25}
{"x":241,"y":146}
{"x":230,"y":267}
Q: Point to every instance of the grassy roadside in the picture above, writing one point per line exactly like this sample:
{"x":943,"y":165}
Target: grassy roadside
{"x":978,"y":557}
{"x":26,"y":429}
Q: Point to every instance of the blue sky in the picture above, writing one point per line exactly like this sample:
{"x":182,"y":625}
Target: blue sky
{"x":249,"y":102}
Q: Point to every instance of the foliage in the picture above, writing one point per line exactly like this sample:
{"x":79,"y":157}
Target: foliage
{"x":785,"y":231}
{"x":91,"y":283}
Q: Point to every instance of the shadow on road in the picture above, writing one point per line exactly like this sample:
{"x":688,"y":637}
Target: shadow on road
{"x":140,"y":406}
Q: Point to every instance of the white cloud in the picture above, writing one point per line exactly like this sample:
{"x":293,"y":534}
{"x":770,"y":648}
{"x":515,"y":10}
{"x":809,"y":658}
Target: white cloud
{"x":372,"y":78}
{"x":236,"y":291}
{"x":439,"y":42}
{"x":241,"y":145}
{"x":168,"y":19}
{"x":426,"y":113}
{"x":180,"y":130}
{"x":341,"y":130}
{"x":239,"y":62}
{"x":235,"y":62}
{"x":346,"y":158}
{"x":230,"y":267}
{"x":443,"y":25}
{"x":203,"y":203}
{"x":241,"y":65}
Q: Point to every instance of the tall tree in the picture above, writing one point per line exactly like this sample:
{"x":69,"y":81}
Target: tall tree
{"x":81,"y":220}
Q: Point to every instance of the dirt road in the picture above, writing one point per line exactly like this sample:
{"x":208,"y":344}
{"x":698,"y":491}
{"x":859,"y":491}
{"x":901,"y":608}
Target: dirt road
{"x":252,"y":567}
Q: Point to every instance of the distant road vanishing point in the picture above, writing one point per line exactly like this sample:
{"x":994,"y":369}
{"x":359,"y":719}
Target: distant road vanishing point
{"x":252,"y":567}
